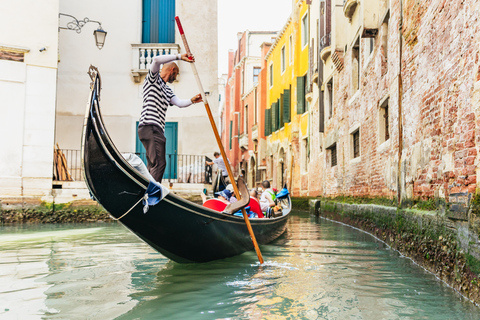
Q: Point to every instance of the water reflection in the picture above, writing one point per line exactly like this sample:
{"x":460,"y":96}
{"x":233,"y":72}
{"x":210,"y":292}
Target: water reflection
{"x":317,"y":270}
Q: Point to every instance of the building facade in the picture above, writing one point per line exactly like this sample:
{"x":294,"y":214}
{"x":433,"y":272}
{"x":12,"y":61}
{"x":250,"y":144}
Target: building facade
{"x":45,"y":87}
{"x":243,"y":134}
{"x":373,"y":98}
{"x":28,"y":71}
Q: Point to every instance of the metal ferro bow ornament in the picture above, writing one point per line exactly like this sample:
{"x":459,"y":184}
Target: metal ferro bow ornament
{"x":76,"y":24}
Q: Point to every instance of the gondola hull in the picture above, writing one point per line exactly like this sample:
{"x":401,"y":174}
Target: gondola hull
{"x":179,"y":229}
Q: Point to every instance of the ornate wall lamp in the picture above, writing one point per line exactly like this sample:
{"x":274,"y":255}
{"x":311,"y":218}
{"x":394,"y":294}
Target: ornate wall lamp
{"x":77,"y":26}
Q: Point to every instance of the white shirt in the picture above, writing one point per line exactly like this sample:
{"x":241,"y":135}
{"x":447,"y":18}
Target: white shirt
{"x":265,"y":198}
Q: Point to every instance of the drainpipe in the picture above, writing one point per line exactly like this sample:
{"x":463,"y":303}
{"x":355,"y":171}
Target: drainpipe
{"x":400,"y":116}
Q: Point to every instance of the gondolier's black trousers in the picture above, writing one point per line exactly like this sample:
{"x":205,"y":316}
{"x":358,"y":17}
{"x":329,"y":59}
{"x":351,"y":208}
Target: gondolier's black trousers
{"x":154,"y":141}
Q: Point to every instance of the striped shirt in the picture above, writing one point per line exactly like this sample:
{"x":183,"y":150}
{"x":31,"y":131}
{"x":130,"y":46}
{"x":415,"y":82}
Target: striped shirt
{"x":156,"y":100}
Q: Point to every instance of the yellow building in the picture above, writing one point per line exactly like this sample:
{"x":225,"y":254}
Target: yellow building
{"x":287,"y":116}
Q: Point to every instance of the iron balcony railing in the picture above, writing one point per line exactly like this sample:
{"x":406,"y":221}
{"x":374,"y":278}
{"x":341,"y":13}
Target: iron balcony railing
{"x":181,"y":168}
{"x":325,"y":41}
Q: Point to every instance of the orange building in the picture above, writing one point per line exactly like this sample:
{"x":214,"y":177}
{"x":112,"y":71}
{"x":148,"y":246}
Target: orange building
{"x":242,"y":119}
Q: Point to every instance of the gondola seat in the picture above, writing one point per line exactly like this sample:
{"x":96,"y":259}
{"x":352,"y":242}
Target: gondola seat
{"x":255,"y":207}
{"x":215,"y":204}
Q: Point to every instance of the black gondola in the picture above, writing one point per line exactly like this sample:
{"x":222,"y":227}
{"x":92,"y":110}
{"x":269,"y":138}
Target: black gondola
{"x":179,"y":229}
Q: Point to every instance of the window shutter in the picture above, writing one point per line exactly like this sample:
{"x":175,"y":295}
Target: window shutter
{"x":300,"y":95}
{"x":280,"y":111}
{"x":158,"y":25}
{"x":286,"y":105}
{"x":231,"y":127}
{"x":268,"y":123}
{"x":274,"y":116}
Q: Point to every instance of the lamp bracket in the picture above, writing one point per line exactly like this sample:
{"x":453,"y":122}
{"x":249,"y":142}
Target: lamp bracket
{"x":77,"y":25}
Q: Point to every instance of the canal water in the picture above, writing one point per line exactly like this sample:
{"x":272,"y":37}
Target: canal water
{"x":317,"y":270}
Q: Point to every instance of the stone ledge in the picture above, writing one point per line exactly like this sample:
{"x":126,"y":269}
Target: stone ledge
{"x":448,"y":248}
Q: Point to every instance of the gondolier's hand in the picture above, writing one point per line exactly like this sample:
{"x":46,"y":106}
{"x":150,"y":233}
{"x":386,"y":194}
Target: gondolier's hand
{"x":188,"y":57}
{"x":197,"y":98}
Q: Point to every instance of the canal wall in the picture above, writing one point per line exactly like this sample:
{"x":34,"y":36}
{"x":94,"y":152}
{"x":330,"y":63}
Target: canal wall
{"x":444,"y":243}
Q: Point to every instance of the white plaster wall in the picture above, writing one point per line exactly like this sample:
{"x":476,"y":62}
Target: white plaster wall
{"x":199,"y":21}
{"x":121,"y":101}
{"x":27,"y":98}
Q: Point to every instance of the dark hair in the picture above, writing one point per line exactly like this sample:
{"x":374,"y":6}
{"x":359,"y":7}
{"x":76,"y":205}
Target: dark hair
{"x":266,"y":184}
{"x":216,"y":154}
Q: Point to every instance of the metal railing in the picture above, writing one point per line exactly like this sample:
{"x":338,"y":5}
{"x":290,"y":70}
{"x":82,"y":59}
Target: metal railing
{"x":73,"y":159}
{"x":181,"y":168}
{"x":325,"y":41}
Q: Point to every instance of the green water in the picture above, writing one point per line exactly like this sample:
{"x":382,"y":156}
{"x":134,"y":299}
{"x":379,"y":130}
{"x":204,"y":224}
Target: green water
{"x":317,"y":270}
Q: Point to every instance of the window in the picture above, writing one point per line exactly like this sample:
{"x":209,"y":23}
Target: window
{"x":330,"y":98}
{"x":290,"y":49}
{"x":245,"y":120}
{"x":256,"y":72}
{"x":370,"y":45}
{"x":301,"y":102}
{"x":304,"y":30}
{"x":242,"y":80}
{"x":383,"y":130}
{"x":283,"y":59}
{"x":255,"y":108}
{"x":356,"y":66}
{"x":356,"y":143}
{"x":384,"y":38}
{"x":271,"y":75}
{"x":232,"y":99}
{"x":305,"y":154}
{"x":333,"y":155}
{"x":158,"y":23}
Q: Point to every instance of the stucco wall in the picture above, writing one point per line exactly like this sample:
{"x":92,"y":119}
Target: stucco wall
{"x":27,"y":97}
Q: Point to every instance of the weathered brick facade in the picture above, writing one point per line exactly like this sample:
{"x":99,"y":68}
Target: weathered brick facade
{"x":437,"y":115}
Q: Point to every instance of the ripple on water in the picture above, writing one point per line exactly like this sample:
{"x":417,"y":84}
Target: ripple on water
{"x":317,"y":270}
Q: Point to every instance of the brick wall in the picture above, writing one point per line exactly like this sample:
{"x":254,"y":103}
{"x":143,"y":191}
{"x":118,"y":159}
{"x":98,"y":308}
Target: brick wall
{"x":439,"y":108}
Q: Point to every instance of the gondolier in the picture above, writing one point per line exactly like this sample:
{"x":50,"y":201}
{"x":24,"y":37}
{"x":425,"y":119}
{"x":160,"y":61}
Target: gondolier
{"x":157,"y":97}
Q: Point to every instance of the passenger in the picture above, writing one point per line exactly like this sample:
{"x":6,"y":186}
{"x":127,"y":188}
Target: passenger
{"x":233,"y":198}
{"x":221,"y":165}
{"x":224,"y":196}
{"x":254,"y":193}
{"x":267,"y":199}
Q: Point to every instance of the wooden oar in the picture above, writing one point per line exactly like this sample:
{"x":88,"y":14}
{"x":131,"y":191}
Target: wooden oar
{"x":219,"y":141}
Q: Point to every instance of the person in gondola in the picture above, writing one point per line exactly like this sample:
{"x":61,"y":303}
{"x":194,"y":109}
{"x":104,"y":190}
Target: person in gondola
{"x":157,"y":97}
{"x":267,"y":199}
{"x":221,"y":166}
{"x":223,"y":196}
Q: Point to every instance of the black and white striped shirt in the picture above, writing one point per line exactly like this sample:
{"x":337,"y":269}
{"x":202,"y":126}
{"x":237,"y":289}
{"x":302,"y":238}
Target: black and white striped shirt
{"x":156,"y":100}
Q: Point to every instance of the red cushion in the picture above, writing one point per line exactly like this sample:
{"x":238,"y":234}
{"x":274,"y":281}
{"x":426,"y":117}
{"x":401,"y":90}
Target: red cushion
{"x":215,"y":204}
{"x":255,"y":207}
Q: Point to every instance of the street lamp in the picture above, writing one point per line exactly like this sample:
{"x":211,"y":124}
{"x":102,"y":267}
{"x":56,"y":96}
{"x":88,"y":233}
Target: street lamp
{"x":77,"y":26}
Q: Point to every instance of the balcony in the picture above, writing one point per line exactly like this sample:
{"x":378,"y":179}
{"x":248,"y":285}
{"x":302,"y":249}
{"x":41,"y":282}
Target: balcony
{"x":325,"y":47}
{"x":143,"y":54}
{"x":243,"y":141}
{"x":349,"y":7}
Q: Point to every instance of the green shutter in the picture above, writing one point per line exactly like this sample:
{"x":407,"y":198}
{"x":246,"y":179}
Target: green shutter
{"x":274,"y":117}
{"x":268,"y":122}
{"x":286,"y":106}
{"x":231,"y":127}
{"x":300,"y":95}
{"x":280,"y":111}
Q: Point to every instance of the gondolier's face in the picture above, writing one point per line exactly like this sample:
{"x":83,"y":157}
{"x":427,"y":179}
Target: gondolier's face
{"x":173,"y":75}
